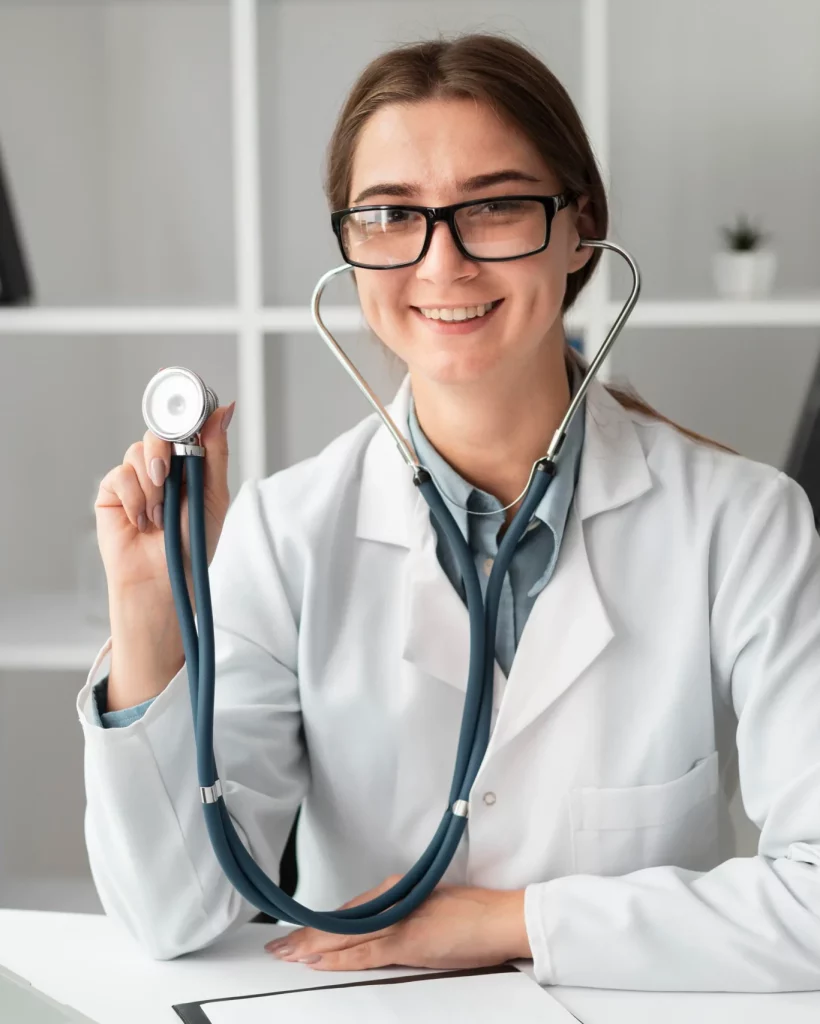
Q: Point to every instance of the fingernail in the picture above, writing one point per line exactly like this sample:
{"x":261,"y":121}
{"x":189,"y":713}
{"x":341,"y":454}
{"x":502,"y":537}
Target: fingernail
{"x":142,"y":522}
{"x":227,"y":417}
{"x":281,"y":950}
{"x":310,"y":959}
{"x":157,"y":517}
{"x":157,"y":472}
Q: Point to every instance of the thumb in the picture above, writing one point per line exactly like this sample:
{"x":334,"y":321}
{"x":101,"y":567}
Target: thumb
{"x":371,"y":894}
{"x":214,"y":439}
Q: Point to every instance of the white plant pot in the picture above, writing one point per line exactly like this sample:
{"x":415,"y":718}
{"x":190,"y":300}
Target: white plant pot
{"x":744,"y":275}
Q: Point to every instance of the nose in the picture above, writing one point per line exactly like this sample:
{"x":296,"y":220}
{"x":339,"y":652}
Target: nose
{"x":443,"y":262}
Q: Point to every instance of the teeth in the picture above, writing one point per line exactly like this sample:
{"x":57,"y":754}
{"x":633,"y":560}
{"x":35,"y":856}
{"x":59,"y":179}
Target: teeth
{"x":459,"y":313}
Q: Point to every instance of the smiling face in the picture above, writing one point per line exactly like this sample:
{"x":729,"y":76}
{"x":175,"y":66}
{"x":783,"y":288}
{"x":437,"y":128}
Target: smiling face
{"x":426,"y":154}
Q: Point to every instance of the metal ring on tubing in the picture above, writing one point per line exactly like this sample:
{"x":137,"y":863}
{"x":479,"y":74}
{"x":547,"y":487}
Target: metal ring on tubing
{"x":409,"y":892}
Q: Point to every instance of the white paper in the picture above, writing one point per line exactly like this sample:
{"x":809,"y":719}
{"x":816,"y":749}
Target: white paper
{"x":478,"y":997}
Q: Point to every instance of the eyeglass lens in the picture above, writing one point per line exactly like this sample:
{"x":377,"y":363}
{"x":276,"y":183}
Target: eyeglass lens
{"x":491,"y":230}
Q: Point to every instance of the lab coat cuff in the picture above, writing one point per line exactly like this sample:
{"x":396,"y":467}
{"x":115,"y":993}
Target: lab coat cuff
{"x":116,"y":719}
{"x":87,"y":709}
{"x":537,"y":934}
{"x":90,"y":711}
{"x":98,"y":700}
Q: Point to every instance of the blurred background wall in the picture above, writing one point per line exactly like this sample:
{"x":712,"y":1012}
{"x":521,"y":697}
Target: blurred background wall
{"x":116,"y":130}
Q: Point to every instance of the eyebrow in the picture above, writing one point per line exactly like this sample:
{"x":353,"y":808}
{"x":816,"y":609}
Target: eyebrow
{"x":403,"y":190}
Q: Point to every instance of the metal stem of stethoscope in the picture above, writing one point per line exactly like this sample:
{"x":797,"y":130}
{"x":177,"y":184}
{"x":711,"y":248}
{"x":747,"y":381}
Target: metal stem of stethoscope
{"x":164,"y":410}
{"x":559,"y":435}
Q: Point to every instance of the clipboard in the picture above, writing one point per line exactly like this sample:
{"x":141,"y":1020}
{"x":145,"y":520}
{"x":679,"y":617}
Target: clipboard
{"x":195,"y":1012}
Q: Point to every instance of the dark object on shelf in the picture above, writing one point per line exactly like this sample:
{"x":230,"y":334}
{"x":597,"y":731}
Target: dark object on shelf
{"x":288,"y":872}
{"x":15,"y":285}
{"x":803,"y":463}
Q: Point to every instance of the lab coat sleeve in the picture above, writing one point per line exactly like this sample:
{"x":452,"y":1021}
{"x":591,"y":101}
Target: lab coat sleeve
{"x":150,"y":855}
{"x":751,"y":924}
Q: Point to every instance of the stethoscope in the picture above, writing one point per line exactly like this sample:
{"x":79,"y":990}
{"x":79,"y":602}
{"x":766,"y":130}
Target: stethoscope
{"x":175,"y":406}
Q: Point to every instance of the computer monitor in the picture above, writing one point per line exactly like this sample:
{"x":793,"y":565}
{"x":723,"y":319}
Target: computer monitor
{"x":803,"y":463}
{"x":15,"y":283}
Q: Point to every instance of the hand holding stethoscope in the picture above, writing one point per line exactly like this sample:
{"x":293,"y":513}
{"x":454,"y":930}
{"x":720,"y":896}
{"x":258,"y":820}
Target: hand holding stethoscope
{"x":129,"y":503}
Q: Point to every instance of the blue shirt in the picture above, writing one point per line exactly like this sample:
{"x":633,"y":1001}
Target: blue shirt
{"x":533,"y":561}
{"x":536,"y":554}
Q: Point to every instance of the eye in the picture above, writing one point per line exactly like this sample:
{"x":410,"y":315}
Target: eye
{"x":495,"y":208}
{"x":391,"y":219}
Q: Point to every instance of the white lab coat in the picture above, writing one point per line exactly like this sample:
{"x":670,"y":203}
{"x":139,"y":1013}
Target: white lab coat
{"x":681,"y":627}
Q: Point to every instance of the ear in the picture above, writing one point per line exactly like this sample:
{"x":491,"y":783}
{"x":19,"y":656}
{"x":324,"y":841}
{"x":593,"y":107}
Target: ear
{"x":583,"y":227}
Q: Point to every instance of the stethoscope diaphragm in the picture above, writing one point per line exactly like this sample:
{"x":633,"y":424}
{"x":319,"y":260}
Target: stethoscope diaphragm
{"x":176,"y":403}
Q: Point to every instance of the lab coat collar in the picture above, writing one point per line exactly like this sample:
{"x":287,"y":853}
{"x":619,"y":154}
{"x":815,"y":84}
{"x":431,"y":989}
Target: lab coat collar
{"x":613,"y":469}
{"x":567,"y":627}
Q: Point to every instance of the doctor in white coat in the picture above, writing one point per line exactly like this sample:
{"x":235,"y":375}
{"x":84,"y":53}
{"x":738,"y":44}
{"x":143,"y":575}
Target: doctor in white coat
{"x":663,"y":612}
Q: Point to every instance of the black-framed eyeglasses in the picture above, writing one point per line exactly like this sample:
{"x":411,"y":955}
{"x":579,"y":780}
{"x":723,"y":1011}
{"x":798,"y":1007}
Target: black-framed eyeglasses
{"x":491,"y":230}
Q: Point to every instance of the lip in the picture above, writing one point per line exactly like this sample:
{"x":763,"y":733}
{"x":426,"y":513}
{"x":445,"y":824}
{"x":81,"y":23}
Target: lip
{"x":457,"y":326}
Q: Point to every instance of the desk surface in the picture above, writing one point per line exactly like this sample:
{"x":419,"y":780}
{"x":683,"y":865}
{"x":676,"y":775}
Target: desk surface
{"x":89,"y":962}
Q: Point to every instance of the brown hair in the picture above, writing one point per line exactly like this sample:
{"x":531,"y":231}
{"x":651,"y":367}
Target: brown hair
{"x":516,"y":84}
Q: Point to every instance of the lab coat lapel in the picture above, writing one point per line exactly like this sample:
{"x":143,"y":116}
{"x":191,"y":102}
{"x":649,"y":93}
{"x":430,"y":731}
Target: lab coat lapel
{"x":437,"y":639}
{"x":393,"y":510}
{"x":567,"y":628}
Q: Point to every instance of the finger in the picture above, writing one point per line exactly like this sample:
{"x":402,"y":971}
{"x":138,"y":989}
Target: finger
{"x":363,"y":957}
{"x":303,"y":941}
{"x":320,"y":943}
{"x":121,"y":488}
{"x":158,"y":463}
{"x":214,"y":439}
{"x":371,"y":894}
{"x":136,"y":457}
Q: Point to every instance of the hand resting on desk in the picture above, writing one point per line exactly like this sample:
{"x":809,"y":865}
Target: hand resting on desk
{"x":456,"y":927}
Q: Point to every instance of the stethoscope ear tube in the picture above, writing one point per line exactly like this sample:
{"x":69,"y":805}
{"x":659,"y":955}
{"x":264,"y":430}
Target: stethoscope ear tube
{"x":558,"y":437}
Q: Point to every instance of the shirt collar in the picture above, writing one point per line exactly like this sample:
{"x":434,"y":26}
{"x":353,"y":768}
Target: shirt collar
{"x":553,"y":507}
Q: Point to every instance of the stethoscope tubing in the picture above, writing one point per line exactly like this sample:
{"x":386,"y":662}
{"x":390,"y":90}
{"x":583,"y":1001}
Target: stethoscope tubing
{"x":242,"y":871}
{"x":410,"y":891}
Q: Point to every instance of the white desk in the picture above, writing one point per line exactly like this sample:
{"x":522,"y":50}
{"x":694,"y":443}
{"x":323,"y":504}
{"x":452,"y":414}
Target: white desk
{"x":87,"y":961}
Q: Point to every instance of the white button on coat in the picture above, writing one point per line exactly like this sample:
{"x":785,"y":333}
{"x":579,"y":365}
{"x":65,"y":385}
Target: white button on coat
{"x":683,"y":609}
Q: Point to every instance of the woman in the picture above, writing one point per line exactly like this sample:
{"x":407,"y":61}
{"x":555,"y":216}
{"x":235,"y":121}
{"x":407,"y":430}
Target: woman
{"x":677,"y":631}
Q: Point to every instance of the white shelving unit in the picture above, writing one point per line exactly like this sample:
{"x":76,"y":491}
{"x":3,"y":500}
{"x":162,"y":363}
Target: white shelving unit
{"x":249,"y":320}
{"x":45,"y":632}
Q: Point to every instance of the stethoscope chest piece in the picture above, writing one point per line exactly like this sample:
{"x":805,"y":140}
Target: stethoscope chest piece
{"x":176,"y":403}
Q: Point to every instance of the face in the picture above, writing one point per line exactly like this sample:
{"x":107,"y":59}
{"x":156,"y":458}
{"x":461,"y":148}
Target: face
{"x":423,"y":154}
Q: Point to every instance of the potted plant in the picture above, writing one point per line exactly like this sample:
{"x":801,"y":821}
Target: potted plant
{"x":745,"y":269}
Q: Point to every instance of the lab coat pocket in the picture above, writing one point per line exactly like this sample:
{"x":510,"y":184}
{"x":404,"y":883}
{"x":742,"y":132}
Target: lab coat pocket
{"x":616,"y":831}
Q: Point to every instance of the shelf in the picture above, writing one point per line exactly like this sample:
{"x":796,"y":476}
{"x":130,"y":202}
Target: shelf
{"x":47,"y":631}
{"x":287,"y":319}
{"x":101,"y":320}
{"x":788,"y":311}
{"x":173,"y":320}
